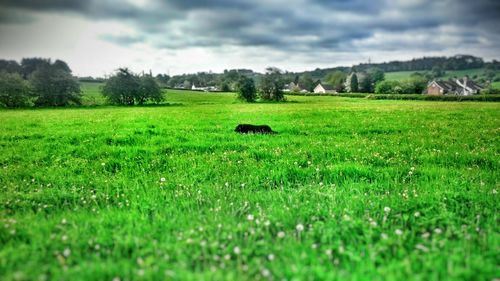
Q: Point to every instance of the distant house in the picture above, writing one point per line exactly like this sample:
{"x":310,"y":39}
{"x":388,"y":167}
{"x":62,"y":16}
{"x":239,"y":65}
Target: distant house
{"x":459,"y":87}
{"x":324,"y":89}
{"x":206,"y":89}
{"x":295,"y":87}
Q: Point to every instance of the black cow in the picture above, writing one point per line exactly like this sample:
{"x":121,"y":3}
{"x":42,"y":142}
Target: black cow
{"x":253,"y":129}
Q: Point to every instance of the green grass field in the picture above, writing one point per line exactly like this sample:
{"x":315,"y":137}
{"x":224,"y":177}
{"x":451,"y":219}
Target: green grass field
{"x":350,"y":189}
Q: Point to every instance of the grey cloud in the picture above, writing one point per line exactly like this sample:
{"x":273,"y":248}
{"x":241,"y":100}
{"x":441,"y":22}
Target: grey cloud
{"x":293,"y":26}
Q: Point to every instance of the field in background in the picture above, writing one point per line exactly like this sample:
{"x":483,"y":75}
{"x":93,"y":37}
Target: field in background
{"x":348,"y":189}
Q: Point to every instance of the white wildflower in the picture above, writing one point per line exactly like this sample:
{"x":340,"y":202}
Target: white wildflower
{"x":299,"y":227}
{"x":66,"y":252}
{"x":237,"y":250}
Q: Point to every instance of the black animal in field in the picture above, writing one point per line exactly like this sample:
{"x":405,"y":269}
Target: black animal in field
{"x":254,"y":129}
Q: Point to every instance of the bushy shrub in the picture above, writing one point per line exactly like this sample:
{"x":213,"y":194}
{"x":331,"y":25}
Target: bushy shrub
{"x":246,"y":89}
{"x":415,"y":85}
{"x":55,"y":86}
{"x":271,"y":85}
{"x":14,"y":90}
{"x":127,"y":88}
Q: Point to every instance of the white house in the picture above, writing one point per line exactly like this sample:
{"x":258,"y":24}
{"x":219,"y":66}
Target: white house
{"x":324,"y":89}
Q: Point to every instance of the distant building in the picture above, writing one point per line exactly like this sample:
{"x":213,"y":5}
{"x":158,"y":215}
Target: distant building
{"x":459,"y":87}
{"x":206,"y":89}
{"x":295,"y":87}
{"x":324,"y":89}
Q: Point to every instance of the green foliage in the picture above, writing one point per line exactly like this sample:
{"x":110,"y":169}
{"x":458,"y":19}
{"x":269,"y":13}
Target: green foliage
{"x":350,"y":189}
{"x":337,"y":79}
{"x":271,"y":85}
{"x":53,"y":85}
{"x":307,"y":82}
{"x":377,"y":74}
{"x":437,"y":72}
{"x":415,"y":85}
{"x":127,"y":88}
{"x":149,"y":90}
{"x":14,"y":90}
{"x":224,"y":87}
{"x":354,"y":87}
{"x":30,"y":65}
{"x":246,"y":89}
{"x":10,"y":66}
{"x":366,"y":84}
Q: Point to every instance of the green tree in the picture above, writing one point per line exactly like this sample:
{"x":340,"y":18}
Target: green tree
{"x":10,"y":66}
{"x":149,"y":90}
{"x":271,"y":85}
{"x":127,"y":88}
{"x":366,"y":84}
{"x":377,"y":75}
{"x":337,"y":79}
{"x":224,"y":87}
{"x":122,"y":88}
{"x":307,"y":82}
{"x":14,"y":90}
{"x":54,"y":86}
{"x":385,"y":87}
{"x":246,"y":89}
{"x":354,"y":87}
{"x":437,"y":71}
{"x":30,"y":65}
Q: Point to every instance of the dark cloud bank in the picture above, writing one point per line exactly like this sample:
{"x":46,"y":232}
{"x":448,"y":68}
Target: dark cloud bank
{"x":293,"y":27}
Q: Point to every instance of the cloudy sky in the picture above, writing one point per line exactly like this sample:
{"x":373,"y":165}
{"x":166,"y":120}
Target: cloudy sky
{"x":181,"y":36}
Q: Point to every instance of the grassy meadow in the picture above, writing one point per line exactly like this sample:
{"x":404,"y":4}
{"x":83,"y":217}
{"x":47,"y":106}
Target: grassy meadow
{"x":349,"y":189}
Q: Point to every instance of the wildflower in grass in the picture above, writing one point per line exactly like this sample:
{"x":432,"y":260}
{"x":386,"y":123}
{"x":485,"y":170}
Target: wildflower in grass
{"x":162,"y":179}
{"x":422,"y":248}
{"x":270,"y":257}
{"x":63,"y":221}
{"x":387,"y":209}
{"x":116,"y":279}
{"x":237,"y":250}
{"x":102,"y":164}
{"x":426,"y":235}
{"x":250,"y":217}
{"x":227,"y":257}
{"x":384,"y":236}
{"x":66,"y":252}
{"x":281,"y":234}
{"x":64,"y":238}
{"x":398,"y":232}
{"x":438,"y":231}
{"x":494,"y":191}
{"x":266,"y":272}
{"x":299,"y":227}
{"x":267,"y":223}
{"x":328,"y":252}
{"x":417,"y":214}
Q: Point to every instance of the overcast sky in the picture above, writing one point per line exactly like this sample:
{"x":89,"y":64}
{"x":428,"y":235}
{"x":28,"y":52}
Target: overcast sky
{"x":182,"y":36}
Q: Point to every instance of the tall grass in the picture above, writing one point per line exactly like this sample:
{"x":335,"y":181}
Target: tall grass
{"x":349,"y":189}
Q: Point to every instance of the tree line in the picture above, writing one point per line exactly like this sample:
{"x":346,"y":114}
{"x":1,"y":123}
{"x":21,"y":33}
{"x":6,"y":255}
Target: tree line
{"x":41,"y":82}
